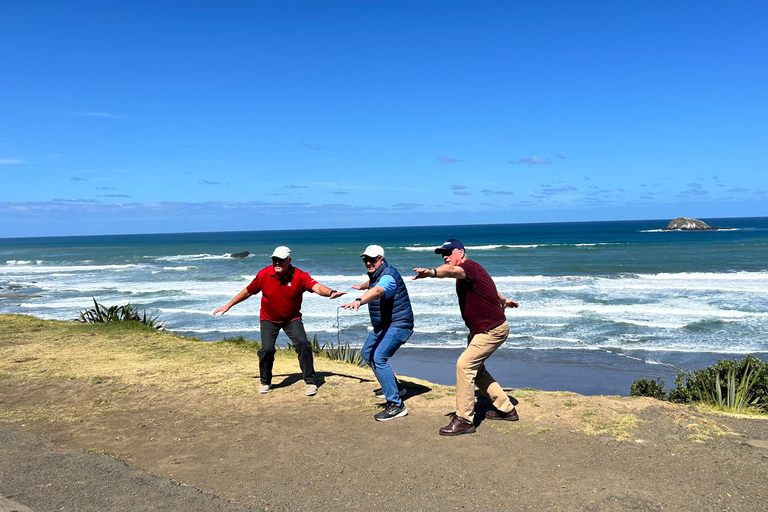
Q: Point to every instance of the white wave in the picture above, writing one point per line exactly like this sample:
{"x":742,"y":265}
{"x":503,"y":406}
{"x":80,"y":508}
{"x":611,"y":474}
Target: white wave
{"x":752,"y":276}
{"x":42,"y":269}
{"x":190,"y":311}
{"x":191,"y":257}
{"x":546,"y":338}
{"x":180,"y":269}
{"x":488,"y":247}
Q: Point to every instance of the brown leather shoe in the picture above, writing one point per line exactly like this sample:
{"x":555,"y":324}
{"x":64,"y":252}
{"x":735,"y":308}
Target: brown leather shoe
{"x":493,"y":414}
{"x":457,"y":426}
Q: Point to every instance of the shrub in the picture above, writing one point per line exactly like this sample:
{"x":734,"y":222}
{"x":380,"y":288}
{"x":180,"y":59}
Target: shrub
{"x":126,"y":313}
{"x":735,"y":384}
{"x":335,"y":352}
{"x":242,"y":341}
{"x":647,"y":387}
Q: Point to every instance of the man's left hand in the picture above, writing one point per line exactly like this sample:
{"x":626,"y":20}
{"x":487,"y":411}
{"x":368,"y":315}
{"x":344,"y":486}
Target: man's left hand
{"x":336,"y":295}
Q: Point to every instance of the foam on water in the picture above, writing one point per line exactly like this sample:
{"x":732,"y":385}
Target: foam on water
{"x":579,"y":289}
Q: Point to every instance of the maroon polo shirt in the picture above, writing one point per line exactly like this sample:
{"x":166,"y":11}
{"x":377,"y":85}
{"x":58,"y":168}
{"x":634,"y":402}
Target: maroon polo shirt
{"x":478,"y":299}
{"x":281,"y":299}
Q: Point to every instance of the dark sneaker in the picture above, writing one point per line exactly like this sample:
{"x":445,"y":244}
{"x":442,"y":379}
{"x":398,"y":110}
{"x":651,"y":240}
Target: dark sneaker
{"x":391,"y":411}
{"x":457,"y":426}
{"x":400,"y":389}
{"x":493,"y":414}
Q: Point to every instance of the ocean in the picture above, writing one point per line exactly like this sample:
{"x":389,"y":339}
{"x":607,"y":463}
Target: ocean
{"x":666,"y":300}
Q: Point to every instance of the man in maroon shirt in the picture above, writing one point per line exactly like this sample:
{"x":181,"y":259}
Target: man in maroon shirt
{"x":282,"y":288}
{"x":482,"y":308}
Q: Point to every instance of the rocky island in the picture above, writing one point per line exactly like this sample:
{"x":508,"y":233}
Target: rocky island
{"x":686,"y":224}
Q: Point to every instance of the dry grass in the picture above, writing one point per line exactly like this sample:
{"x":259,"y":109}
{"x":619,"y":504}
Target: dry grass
{"x":132,"y":354}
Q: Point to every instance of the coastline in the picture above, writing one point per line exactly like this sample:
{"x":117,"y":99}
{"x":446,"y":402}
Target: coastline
{"x":586,"y":372}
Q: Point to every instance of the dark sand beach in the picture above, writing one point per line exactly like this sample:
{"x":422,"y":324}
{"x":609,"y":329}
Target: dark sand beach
{"x":103,"y":418}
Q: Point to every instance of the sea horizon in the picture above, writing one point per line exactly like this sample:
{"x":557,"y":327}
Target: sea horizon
{"x":417,"y":226}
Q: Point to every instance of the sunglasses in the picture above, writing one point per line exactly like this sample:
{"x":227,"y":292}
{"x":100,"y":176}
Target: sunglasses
{"x":278,"y":260}
{"x":368,"y":259}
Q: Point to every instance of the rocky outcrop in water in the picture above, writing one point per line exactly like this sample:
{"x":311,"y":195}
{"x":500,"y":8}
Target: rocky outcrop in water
{"x":243,"y":254}
{"x":686,"y":224}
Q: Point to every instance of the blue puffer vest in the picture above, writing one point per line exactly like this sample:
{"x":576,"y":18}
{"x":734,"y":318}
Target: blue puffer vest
{"x":396,"y":311}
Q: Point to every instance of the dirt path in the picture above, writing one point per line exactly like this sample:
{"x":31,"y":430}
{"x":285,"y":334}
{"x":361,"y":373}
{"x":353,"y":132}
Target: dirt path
{"x":285,"y":451}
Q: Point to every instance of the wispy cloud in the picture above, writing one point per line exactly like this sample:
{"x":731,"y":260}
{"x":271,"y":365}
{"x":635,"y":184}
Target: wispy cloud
{"x":406,"y":206}
{"x":11,"y":161}
{"x":106,"y":188}
{"x":113,"y":195}
{"x":461,"y":193}
{"x":695,"y":189}
{"x":313,"y":147}
{"x":549,"y":190}
{"x":76,"y":178}
{"x":459,"y":187}
{"x":296,"y":186}
{"x":534,"y":160}
{"x":561,"y":157}
{"x":340,"y":192}
{"x":96,"y":114}
{"x":206,"y":182}
{"x":448,"y":160}
{"x":490,"y":192}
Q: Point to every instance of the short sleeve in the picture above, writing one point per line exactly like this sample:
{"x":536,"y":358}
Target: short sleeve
{"x":255,"y":286}
{"x":306,"y":281}
{"x":388,"y":284}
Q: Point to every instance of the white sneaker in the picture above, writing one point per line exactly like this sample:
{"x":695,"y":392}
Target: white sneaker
{"x":264,"y":388}
{"x":311,"y":390}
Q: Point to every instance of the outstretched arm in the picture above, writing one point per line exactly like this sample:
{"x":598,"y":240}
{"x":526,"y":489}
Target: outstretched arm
{"x":453,"y":271}
{"x":507,"y":303}
{"x":323,"y":290}
{"x":240,"y":297}
{"x":374,"y":293}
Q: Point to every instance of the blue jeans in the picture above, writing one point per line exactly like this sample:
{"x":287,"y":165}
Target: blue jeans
{"x":377,"y":349}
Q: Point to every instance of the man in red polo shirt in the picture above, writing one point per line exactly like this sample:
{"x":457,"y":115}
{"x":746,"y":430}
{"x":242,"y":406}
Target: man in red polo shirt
{"x":282,"y":288}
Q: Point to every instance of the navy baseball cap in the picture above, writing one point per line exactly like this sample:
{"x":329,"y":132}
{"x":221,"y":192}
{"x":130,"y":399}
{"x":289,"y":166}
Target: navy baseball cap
{"x":449,"y":246}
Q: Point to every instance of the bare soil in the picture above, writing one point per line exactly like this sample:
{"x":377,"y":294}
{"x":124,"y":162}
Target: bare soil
{"x":287,"y":451}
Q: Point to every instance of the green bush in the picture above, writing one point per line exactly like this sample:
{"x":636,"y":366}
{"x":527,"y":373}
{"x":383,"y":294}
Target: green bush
{"x":242,"y":341}
{"x":647,"y":387}
{"x":736,"y":385}
{"x":335,"y":352}
{"x":126,"y":313}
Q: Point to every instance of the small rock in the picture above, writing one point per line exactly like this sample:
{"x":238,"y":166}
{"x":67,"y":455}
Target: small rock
{"x":243,"y":254}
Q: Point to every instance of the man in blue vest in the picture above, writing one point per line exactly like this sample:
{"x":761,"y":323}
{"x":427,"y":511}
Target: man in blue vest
{"x":392,"y":320}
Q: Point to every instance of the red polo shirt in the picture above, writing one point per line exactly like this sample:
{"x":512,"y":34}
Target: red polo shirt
{"x":281,"y":299}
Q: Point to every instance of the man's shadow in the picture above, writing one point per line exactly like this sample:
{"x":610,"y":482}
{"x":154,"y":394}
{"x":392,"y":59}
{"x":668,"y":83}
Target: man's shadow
{"x":320,"y":377}
{"x":483,"y":405}
{"x":289,"y":379}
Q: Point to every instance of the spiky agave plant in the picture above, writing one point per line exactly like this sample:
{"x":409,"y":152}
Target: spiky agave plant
{"x":124,"y":313}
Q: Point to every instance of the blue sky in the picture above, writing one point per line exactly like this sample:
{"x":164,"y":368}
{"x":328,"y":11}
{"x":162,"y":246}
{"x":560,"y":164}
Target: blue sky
{"x":137,"y":117}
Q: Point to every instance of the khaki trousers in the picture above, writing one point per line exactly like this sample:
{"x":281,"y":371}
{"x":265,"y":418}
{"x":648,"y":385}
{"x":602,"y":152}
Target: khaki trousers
{"x":470,"y":371}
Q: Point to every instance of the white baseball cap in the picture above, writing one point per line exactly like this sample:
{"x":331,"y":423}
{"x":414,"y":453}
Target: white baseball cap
{"x":373,"y":251}
{"x":281,"y":252}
